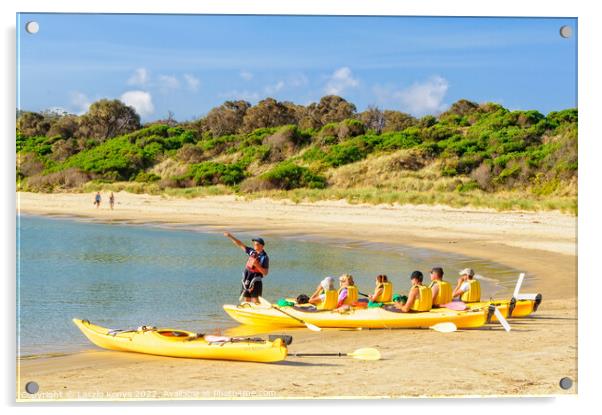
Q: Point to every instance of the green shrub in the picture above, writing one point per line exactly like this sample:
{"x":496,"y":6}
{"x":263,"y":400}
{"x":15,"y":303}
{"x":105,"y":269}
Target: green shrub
{"x":144,"y":177}
{"x":210,"y":173}
{"x":288,"y":176}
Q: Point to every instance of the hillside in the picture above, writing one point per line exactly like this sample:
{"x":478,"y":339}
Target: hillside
{"x":478,"y":155}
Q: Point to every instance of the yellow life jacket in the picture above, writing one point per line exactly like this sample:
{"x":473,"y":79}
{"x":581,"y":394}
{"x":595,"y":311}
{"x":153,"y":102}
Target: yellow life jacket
{"x":331,"y":298}
{"x":424,"y":301}
{"x":444,"y":295}
{"x":352,"y":294}
{"x":473,"y":295}
{"x":386,"y":295}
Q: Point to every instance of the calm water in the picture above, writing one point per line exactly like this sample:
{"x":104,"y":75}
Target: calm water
{"x":123,"y":276}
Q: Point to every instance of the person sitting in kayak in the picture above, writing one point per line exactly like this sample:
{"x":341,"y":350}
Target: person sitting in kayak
{"x":325,"y":295}
{"x":383,"y":290}
{"x":255,"y":270}
{"x":468,"y":287}
{"x":442,"y":291}
{"x":419,"y":297}
{"x":348,"y":291}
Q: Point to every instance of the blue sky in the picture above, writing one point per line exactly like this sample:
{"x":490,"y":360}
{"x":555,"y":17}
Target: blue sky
{"x":190,"y":64}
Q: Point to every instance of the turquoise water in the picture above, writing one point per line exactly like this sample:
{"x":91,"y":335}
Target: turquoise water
{"x":123,"y":276}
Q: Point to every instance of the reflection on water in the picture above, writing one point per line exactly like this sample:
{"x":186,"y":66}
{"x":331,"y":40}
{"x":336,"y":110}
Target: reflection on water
{"x":124,"y":276}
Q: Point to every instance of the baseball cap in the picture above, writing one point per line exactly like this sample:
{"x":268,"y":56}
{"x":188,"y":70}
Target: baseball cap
{"x":259,"y":240}
{"x":327,"y":283}
{"x":467,"y":271}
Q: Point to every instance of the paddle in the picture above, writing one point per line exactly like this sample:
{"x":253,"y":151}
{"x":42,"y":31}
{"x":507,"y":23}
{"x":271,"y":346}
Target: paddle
{"x":447,"y":327}
{"x":501,"y":319}
{"x":527,"y":297}
{"x":310,"y":326}
{"x":521,"y":277}
{"x":361,"y":354}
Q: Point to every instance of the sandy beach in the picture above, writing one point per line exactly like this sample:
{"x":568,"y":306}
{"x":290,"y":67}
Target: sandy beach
{"x":529,"y":360}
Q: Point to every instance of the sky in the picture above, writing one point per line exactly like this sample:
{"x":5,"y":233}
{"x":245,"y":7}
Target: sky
{"x":188,"y":64}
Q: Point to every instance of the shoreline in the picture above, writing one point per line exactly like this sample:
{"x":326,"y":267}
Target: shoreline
{"x":527,"y":241}
{"x":529,"y":360}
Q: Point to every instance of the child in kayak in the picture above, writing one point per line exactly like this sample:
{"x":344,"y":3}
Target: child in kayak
{"x":383,"y":290}
{"x":468,"y":288}
{"x":348,"y":291}
{"x":319,"y":295}
{"x":442,"y":291}
{"x":419,"y":297}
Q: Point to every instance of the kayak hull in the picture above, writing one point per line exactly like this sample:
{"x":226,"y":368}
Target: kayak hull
{"x":186,"y":345}
{"x":522,"y":308}
{"x":376,"y":318}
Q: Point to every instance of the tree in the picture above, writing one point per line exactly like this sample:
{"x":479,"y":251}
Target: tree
{"x":66,"y":126}
{"x":227,"y":118}
{"x":268,"y":113}
{"x":373,"y":118}
{"x":31,"y":124}
{"x":331,"y":108}
{"x":107,"y":119}
{"x":461,"y":107}
{"x":398,"y":121}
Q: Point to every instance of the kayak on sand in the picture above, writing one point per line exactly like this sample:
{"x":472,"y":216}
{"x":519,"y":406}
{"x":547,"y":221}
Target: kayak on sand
{"x":510,"y":308}
{"x":383,"y":318}
{"x":180,"y":343}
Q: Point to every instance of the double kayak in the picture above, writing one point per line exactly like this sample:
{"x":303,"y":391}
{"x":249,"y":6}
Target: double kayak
{"x":377,"y":318}
{"x":180,"y":343}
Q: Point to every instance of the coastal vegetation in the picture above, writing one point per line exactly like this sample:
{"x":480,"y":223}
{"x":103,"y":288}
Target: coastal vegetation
{"x":480,"y":155}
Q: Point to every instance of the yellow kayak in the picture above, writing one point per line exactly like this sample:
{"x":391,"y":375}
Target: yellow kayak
{"x":520,"y":308}
{"x":180,"y":343}
{"x":266,"y":315}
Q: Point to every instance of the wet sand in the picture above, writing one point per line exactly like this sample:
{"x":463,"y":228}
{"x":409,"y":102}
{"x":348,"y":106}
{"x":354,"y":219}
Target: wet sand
{"x":530,"y":360}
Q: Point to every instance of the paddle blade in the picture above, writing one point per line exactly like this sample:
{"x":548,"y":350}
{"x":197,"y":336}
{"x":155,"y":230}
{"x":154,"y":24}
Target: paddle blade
{"x":367,"y":353}
{"x":455,"y":305}
{"x":519,"y":283}
{"x":312,"y":327}
{"x":448,"y":327}
{"x":501,"y":319}
{"x":526,"y":297}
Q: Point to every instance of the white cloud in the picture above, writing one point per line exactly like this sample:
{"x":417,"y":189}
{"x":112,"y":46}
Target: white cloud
{"x":246,"y":75}
{"x":192,"y":82}
{"x":168,"y":83}
{"x":272,"y":89}
{"x":80,"y":101}
{"x":298,"y":80}
{"x":340,"y":80}
{"x":426,"y":97}
{"x":420,"y":98}
{"x":140,"y":77}
{"x":142,"y":102}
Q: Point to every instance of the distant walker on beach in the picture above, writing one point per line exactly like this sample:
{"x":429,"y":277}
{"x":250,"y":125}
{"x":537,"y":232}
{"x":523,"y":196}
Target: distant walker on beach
{"x":97,"y":200}
{"x":112,"y":200}
{"x":255,"y":270}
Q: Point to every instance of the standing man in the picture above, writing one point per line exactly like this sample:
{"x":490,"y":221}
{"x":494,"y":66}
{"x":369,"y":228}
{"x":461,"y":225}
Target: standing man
{"x":255,"y":270}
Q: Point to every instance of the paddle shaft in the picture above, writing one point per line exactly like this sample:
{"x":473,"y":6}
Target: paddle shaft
{"x":291,"y":316}
{"x":317,"y":354}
